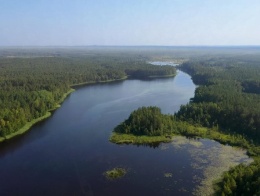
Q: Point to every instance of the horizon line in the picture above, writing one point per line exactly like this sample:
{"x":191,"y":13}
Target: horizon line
{"x":95,"y":45}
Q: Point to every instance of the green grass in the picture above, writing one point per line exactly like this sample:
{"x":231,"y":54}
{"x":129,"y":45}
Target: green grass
{"x":190,"y":131}
{"x":119,"y":138}
{"x":115,"y":173}
{"x":26,"y":127}
{"x":168,"y":175}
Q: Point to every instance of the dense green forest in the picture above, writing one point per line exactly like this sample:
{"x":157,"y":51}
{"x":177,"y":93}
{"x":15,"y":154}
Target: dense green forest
{"x":147,"y":121}
{"x":228,"y":97}
{"x":241,"y":180}
{"x":32,"y":86}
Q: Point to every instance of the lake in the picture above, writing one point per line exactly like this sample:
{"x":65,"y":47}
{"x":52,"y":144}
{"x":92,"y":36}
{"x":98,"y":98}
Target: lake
{"x":161,"y":63}
{"x":68,"y":153}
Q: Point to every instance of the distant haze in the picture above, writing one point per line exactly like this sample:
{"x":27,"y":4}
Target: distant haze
{"x":129,"y":22}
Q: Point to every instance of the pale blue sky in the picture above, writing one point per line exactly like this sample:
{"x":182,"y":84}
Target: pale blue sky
{"x":129,"y":22}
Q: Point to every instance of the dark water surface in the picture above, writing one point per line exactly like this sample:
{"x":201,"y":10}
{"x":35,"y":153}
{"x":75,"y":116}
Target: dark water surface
{"x":68,"y":153}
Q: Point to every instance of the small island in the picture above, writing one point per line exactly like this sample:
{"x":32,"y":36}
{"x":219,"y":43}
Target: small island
{"x":115,"y":173}
{"x":145,"y":125}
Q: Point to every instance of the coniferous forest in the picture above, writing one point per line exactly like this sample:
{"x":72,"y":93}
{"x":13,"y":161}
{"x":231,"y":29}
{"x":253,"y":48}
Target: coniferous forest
{"x":228,"y":99}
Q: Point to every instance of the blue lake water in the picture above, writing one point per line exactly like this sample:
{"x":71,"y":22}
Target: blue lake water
{"x":161,"y":63}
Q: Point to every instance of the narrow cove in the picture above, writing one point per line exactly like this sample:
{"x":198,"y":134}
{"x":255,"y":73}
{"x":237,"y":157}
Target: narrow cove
{"x":68,"y":153}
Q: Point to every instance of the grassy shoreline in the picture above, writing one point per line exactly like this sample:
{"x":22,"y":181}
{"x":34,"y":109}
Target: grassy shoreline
{"x":201,"y":132}
{"x":28,"y":125}
{"x":121,"y":138}
{"x":209,"y":183}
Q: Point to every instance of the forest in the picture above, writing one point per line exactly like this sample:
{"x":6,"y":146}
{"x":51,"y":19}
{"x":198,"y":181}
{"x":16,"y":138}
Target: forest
{"x":228,"y":98}
{"x":147,"y":121}
{"x":241,"y":180}
{"x":32,"y":86}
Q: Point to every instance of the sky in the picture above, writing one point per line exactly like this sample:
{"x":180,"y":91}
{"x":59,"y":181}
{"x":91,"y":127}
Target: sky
{"x":129,"y":22}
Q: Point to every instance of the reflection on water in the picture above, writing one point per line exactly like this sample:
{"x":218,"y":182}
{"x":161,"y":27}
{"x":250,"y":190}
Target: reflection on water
{"x":161,"y":63}
{"x":151,"y":145}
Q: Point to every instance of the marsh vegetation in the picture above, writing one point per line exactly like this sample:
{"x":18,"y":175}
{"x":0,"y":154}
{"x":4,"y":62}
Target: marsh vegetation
{"x":115,"y":173}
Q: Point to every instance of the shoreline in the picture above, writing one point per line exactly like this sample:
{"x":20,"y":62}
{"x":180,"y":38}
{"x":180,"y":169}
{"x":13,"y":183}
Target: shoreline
{"x":123,"y":138}
{"x":209,"y":182}
{"x":25,"y":128}
{"x":201,"y":132}
{"x":28,"y":125}
{"x":163,"y":76}
{"x":99,"y":82}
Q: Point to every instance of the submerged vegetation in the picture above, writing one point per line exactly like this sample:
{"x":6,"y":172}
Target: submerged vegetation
{"x":210,"y":161}
{"x":115,"y":173}
{"x":168,"y":175}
